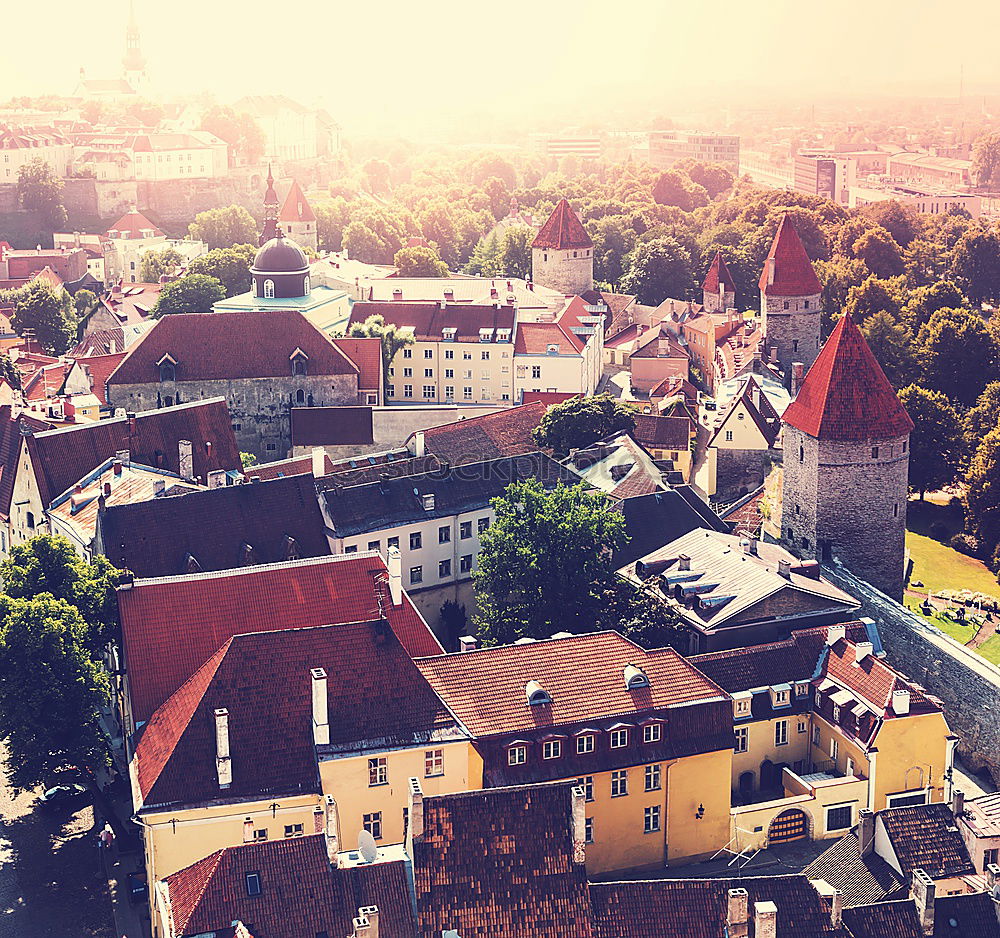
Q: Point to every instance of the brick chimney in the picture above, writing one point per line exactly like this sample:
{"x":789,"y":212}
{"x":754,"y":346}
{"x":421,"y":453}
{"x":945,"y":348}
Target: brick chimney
{"x":223,"y":764}
{"x":366,"y":923}
{"x":785,"y":569}
{"x":958,"y":802}
{"x":395,"y":565}
{"x":737,"y":914}
{"x":866,"y":831}
{"x":798,"y":373}
{"x":331,"y":828}
{"x":922,"y":890}
{"x":831,"y":898}
{"x":415,"y":816}
{"x":683,"y":562}
{"x":318,"y":461}
{"x":248,"y":830}
{"x":320,"y":710}
{"x":579,"y":803}
{"x":765,"y":920}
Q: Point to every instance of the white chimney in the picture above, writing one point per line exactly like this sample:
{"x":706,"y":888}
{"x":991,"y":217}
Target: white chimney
{"x":185,"y":454}
{"x":467,"y":643}
{"x":368,"y":916}
{"x":922,"y":890}
{"x":418,"y":443}
{"x":785,"y":569}
{"x":578,"y":796}
{"x":318,"y":461}
{"x":395,"y":565}
{"x":159,"y":487}
{"x":414,"y":815}
{"x":834,"y":633}
{"x":901,"y":702}
{"x":320,"y":710}
{"x":861,"y":651}
{"x":737,"y":921}
{"x":223,"y":764}
{"x":332,"y":828}
{"x":248,"y":830}
{"x":832,"y":899}
{"x":765,"y":920}
{"x":684,"y":562}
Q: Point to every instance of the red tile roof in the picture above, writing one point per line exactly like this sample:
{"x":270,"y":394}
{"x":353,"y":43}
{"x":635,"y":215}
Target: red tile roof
{"x":99,"y":369}
{"x":231,"y":345}
{"x":500,"y":862}
{"x":662,"y":432}
{"x":367,"y":355}
{"x":535,"y":338}
{"x":333,"y":426}
{"x":62,"y":457}
{"x":582,"y":674}
{"x":793,"y":271}
{"x":873,"y":680}
{"x":132,"y":224}
{"x":99,"y":342}
{"x":718,"y":273}
{"x":296,"y":207}
{"x":375,"y":696}
{"x":172,"y":626}
{"x":548,"y":398}
{"x":429,"y":319}
{"x":10,"y":448}
{"x":490,"y":436}
{"x":846,"y":395}
{"x":924,"y":837}
{"x":562,"y":231}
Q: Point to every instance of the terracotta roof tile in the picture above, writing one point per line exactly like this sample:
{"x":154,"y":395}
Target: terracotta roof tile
{"x":296,"y":207}
{"x":718,"y":273}
{"x":846,"y":395}
{"x":872,"y":679}
{"x":132,"y":225}
{"x":502,"y":433}
{"x":793,"y":271}
{"x":332,"y":426}
{"x":562,"y":231}
{"x":99,"y":369}
{"x":172,"y":626}
{"x":860,"y":879}
{"x":662,"y":432}
{"x":429,"y":319}
{"x":895,"y":919}
{"x":924,"y":837}
{"x":366,"y":353}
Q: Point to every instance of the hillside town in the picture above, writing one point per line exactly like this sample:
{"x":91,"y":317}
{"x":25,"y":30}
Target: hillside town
{"x":592,"y":536}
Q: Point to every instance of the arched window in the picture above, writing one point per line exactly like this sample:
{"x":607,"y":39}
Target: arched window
{"x":300,"y":396}
{"x":305,"y":285}
{"x":269,"y":289}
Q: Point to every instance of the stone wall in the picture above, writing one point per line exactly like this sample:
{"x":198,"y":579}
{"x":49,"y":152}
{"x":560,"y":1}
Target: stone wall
{"x":559,"y":270}
{"x":260,"y":407}
{"x":838,"y":500}
{"x":740,"y":471}
{"x":794,"y":332}
{"x":968,"y":685}
{"x":175,"y":202}
{"x":88,"y":200}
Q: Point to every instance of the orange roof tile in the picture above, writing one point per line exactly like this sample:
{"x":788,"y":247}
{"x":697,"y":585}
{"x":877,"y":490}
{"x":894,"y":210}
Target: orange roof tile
{"x":296,"y":207}
{"x":793,"y":271}
{"x":718,"y":273}
{"x":562,"y":230}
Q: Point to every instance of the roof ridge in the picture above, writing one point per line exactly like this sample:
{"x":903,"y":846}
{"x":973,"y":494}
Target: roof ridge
{"x":205,"y":880}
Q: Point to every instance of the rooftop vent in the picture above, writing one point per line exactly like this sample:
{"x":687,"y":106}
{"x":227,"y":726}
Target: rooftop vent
{"x":634,"y":677}
{"x":536,"y":695}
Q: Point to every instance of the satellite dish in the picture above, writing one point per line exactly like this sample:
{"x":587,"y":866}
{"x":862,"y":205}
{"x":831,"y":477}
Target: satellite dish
{"x":367,"y":846}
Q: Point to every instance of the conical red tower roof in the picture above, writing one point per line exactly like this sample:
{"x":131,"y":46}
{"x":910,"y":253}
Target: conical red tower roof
{"x":717,"y":273}
{"x":846,"y":395}
{"x":296,"y":207}
{"x":793,"y":271}
{"x":563,"y":230}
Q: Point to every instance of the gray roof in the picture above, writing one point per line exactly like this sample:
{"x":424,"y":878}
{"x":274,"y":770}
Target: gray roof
{"x":861,"y":880}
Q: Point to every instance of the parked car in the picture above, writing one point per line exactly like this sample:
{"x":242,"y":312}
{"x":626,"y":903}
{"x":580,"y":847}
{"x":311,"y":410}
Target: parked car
{"x":61,"y":794}
{"x":137,"y":887}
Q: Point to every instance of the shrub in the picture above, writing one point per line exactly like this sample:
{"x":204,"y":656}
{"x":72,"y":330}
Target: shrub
{"x":939,"y":531}
{"x":966,"y":543}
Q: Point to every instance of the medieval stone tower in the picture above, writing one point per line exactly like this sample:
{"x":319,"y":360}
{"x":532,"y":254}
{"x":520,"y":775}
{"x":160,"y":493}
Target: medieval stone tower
{"x":718,"y":292}
{"x":846,"y":464}
{"x":562,"y":254}
{"x":790,"y":303}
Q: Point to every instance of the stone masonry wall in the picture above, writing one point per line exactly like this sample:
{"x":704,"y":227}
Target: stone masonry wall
{"x":839,"y":500}
{"x":739,"y":471}
{"x":794,"y":332}
{"x":559,"y":270}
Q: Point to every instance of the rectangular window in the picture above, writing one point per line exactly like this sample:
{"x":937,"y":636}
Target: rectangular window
{"x":260,"y":833}
{"x":901,"y":801}
{"x":619,"y":739}
{"x":465,"y":530}
{"x":253,"y":884}
{"x":619,"y":783}
{"x":392,"y":542}
{"x":444,"y":534}
{"x":742,"y":739}
{"x":378,"y":772}
{"x":536,"y":371}
{"x":351,"y":549}
{"x":449,"y":353}
{"x":449,"y":372}
{"x":416,"y":575}
{"x":407,"y":372}
{"x":587,"y":784}
{"x":407,"y":390}
{"x":428,"y":372}
{"x":816,"y":737}
{"x":428,"y":353}
{"x":729,"y":436}
{"x":373,"y":824}
{"x":407,"y":353}
{"x":781,"y":733}
{"x":428,"y":390}
{"x":449,"y":392}
{"x":467,"y":356}
{"x":465,"y":563}
{"x":293,"y":830}
{"x":551,"y":749}
{"x":839,"y":818}
{"x":585,"y":743}
{"x":517,"y":755}
{"x":416,"y":540}
{"x":834,"y":748}
{"x":802,"y":726}
{"x":990,"y":856}
{"x":588,"y":830}
{"x":652,"y":778}
{"x":433,"y":762}
{"x":444,"y":568}
{"x":651,"y":819}
{"x":374,"y":545}
{"x":850,"y":766}
{"x":486,"y":355}
{"x":651,"y":733}
{"x":467,"y":394}
{"x":483,"y":524}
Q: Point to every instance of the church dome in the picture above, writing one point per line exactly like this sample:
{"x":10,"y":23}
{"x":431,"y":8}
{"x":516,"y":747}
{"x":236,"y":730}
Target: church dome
{"x":280,"y":270}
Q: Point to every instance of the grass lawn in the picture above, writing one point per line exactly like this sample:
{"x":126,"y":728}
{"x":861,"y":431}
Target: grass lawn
{"x":961,"y":633}
{"x":990,"y":649}
{"x":941,"y":567}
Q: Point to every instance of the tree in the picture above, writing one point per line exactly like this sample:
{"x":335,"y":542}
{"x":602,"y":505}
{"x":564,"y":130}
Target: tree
{"x":155,"y":264}
{"x":239,"y":129}
{"x":194,"y":293}
{"x":9,"y":372}
{"x":515,"y":252}
{"x":898,"y":220}
{"x":51,"y":693}
{"x":499,"y":195}
{"x":581,"y":421}
{"x":230,"y":266}
{"x":247,"y":460}
{"x":84,"y":301}
{"x":419,"y":262}
{"x":975,"y":265}
{"x":982,"y":494}
{"x":613,"y":238}
{"x":378,"y":173}
{"x":224,"y":227}
{"x":453,"y":620}
{"x":892,"y":344}
{"x":49,"y":564}
{"x":936,"y":446}
{"x":331,"y":220}
{"x":39,"y":190}
{"x":925,"y":301}
{"x":674,"y":188}
{"x":392,"y":339}
{"x":658,"y":269}
{"x":986,"y":160}
{"x":957,"y":353}
{"x":713,"y":177}
{"x":875,"y":296}
{"x":44,"y":313}
{"x":879,"y":252}
{"x":984,"y":416}
{"x":544,"y":562}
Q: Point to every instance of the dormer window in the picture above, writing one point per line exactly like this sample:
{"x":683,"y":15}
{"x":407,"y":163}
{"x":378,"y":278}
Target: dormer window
{"x":619,"y":738}
{"x":651,"y":733}
{"x":167,"y":371}
{"x":552,"y":749}
{"x":801,"y":689}
{"x":536,"y":695}
{"x":635,"y":677}
{"x":517,"y":754}
{"x":781,"y":695}
{"x":741,"y":704}
{"x":585,"y":743}
{"x":300,"y":363}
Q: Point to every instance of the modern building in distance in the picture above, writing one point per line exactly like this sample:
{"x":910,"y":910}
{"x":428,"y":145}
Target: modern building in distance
{"x":664,"y":148}
{"x":556,"y":147}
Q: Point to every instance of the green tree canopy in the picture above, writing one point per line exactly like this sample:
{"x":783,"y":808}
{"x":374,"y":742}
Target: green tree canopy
{"x":984,"y":416}
{"x":581,"y":421}
{"x":194,"y":293}
{"x":982,"y":494}
{"x":8,"y":371}
{"x":224,"y":227}
{"x":880,"y":252}
{"x":39,"y":190}
{"x":936,"y":445}
{"x":230,"y":266}
{"x":873,"y":296}
{"x":658,"y":269}
{"x":975,"y":264}
{"x":893,"y":345}
{"x":958,"y":354}
{"x":544,"y":562}
{"x":613,"y":239}
{"x":898,"y":220}
{"x":83,"y":302}
{"x":986,"y":160}
{"x":44,"y":313}
{"x":392,"y":339}
{"x":419,"y":262}
{"x":155,"y":264}
{"x":925,"y":301}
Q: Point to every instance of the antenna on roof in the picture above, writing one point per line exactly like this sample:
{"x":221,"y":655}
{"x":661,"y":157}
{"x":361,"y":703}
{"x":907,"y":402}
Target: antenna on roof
{"x":367,"y":846}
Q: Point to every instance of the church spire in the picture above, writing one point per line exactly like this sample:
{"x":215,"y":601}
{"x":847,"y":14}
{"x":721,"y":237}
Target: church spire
{"x":270,"y":229}
{"x":134,"y":60}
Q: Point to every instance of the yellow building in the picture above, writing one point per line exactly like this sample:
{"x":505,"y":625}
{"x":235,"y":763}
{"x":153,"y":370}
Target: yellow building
{"x":824,"y":729}
{"x":647,"y":737}
{"x":281,"y":734}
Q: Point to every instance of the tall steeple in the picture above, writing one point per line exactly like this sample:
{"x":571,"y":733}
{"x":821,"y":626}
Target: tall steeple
{"x":134,"y":62}
{"x":270,"y":229}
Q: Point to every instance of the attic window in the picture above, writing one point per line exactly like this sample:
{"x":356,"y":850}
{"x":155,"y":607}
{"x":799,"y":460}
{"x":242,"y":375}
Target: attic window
{"x":536,"y":695}
{"x":635,"y":677}
{"x":168,"y":372}
{"x":253,"y":884}
{"x":300,"y":363}
{"x":801,"y":689}
{"x":552,"y":349}
{"x":741,"y":704}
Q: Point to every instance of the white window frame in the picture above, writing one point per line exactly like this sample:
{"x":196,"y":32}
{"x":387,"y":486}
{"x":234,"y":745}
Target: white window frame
{"x":585,"y":743}
{"x":619,"y":738}
{"x":552,"y":749}
{"x":781,"y":732}
{"x":651,"y":733}
{"x":742,"y":743}
{"x":517,"y":755}
{"x":433,"y":763}
{"x":651,"y":819}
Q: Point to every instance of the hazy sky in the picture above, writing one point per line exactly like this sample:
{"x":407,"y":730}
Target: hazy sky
{"x":375,"y":61}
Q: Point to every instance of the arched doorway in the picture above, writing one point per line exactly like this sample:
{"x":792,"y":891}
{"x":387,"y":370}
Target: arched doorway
{"x":770,"y":775}
{"x":746,"y":784}
{"x":788,"y":826}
